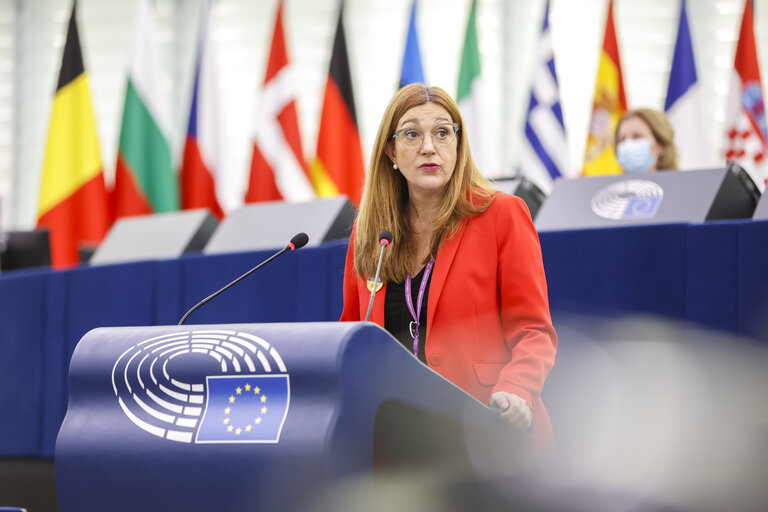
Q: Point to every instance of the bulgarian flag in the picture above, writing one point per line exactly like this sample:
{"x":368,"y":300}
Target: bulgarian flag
{"x":144,"y":178}
{"x":608,"y":106}
{"x":338,"y":167}
{"x":745,"y":124}
{"x":73,"y":199}
{"x":471,"y":99}
{"x":278,"y":169}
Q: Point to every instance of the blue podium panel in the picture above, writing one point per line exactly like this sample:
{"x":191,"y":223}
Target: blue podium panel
{"x":298,"y":286}
{"x":237,"y":417}
{"x":21,"y":350}
{"x":617,"y":270}
{"x":711,"y":272}
{"x":752,"y":284}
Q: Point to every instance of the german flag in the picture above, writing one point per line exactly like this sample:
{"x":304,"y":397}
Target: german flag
{"x":73,"y":199}
{"x":338,"y":167}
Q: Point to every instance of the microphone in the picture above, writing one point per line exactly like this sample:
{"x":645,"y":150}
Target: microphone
{"x":385,"y":238}
{"x":297,"y":242}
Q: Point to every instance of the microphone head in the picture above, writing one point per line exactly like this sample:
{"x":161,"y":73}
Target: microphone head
{"x":385,"y":238}
{"x":298,"y":241}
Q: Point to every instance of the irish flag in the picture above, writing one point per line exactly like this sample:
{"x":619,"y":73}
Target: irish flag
{"x":144,"y":178}
{"x":608,"y":106}
{"x":73,"y":199}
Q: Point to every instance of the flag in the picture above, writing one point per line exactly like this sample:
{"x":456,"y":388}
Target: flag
{"x":608,"y":106}
{"x":278,"y":169}
{"x":412,"y":71}
{"x":684,"y":104}
{"x":206,"y":176}
{"x":338,"y":167}
{"x":544,"y":153}
{"x":745,"y":124}
{"x":471,"y":101}
{"x":244,"y":409}
{"x":144,"y":178}
{"x":73,"y":198}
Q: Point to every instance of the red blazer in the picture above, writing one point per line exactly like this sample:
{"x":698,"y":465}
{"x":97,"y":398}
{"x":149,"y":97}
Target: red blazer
{"x":488,"y":322}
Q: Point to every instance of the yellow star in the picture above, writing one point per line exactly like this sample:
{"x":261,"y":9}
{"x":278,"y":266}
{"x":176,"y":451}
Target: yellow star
{"x":231,"y":399}
{"x":238,"y":431}
{"x":226,"y":420}
{"x":263,"y":398}
{"x":247,"y":387}
{"x":263,"y":410}
{"x":229,"y":428}
{"x":239,"y":390}
{"x":258,"y":420}
{"x":248,"y":428}
{"x":226,"y":411}
{"x":257,"y":390}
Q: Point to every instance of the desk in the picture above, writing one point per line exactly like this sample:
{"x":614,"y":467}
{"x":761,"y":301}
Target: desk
{"x":714,"y":274}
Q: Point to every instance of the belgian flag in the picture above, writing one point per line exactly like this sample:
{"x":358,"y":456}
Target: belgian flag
{"x":73,"y":199}
{"x":338,"y":167}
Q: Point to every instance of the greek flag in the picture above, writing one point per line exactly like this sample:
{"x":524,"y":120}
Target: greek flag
{"x":544,"y":153}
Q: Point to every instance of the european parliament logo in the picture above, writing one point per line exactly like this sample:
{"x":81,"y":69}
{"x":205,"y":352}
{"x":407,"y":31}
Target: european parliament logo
{"x":204,"y":386}
{"x":628,"y":199}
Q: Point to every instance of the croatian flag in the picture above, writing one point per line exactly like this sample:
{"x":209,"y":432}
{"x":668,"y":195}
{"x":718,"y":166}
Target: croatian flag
{"x":684,"y":105}
{"x":206,"y":175}
{"x":544,"y":153}
{"x":745,"y":121}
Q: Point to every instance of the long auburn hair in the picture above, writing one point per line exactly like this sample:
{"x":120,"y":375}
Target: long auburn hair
{"x":385,"y":196}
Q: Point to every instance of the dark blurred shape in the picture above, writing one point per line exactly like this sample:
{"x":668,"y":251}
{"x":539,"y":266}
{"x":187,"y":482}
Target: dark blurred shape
{"x":523,"y":188}
{"x":25,"y":249}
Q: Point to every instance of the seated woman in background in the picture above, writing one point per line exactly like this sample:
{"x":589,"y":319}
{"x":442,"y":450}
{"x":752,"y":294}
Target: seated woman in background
{"x":645,"y":141}
{"x":464,"y":287}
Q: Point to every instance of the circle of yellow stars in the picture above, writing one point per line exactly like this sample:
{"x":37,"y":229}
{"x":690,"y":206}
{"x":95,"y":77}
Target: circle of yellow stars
{"x":239,"y":392}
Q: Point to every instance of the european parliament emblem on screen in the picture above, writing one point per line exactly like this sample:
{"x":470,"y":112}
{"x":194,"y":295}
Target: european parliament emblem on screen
{"x":628,"y":199}
{"x":204,"y":386}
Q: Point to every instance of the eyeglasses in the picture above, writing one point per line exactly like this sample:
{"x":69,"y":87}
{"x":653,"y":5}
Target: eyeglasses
{"x":442,"y":134}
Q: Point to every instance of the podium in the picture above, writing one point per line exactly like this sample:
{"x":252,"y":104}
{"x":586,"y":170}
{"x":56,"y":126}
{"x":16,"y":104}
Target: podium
{"x":257,"y":417}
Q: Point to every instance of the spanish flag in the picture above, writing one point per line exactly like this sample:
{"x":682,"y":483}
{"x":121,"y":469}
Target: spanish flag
{"x":608,"y":106}
{"x":338,"y":167}
{"x":73,"y":199}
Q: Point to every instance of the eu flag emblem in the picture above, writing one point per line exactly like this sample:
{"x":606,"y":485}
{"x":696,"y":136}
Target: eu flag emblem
{"x":244,"y":409}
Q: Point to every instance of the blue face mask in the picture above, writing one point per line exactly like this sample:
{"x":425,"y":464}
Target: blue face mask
{"x":634,"y":155}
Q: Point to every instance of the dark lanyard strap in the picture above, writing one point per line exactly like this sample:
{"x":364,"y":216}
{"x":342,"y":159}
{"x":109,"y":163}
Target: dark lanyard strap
{"x":414,"y":325}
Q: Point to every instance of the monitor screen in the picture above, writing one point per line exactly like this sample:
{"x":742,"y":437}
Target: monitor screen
{"x":24,"y":249}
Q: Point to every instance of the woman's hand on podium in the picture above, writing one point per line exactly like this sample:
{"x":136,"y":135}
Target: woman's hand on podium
{"x":514,"y":409}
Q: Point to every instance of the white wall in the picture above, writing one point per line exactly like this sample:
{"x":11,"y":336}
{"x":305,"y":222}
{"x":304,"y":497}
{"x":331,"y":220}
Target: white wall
{"x":32,"y":37}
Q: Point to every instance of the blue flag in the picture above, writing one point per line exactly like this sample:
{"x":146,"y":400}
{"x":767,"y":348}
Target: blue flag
{"x":544,"y":153}
{"x":247,"y":409}
{"x":684,"y":105}
{"x":412,"y":71}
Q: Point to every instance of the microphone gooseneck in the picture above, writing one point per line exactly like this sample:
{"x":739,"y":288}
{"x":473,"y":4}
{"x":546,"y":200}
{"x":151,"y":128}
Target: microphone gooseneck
{"x":297,"y":242}
{"x":385,"y":238}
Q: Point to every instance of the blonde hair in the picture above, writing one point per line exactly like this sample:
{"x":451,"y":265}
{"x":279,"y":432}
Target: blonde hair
{"x":662,"y":132}
{"x":385,"y":195}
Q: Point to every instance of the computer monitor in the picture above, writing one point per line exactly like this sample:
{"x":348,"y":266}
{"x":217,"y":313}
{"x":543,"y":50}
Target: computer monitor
{"x":24,"y":249}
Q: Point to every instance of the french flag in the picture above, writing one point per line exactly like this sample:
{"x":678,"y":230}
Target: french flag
{"x":684,"y":104}
{"x":206,"y":175}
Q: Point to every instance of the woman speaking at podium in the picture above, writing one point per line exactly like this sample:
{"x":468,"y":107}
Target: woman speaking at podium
{"x":463,"y":281}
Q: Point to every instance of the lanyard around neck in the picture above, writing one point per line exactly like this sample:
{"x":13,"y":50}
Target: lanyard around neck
{"x":416,"y":314}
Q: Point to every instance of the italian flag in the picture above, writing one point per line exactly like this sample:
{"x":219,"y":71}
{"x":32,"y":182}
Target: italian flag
{"x":73,"y":199}
{"x":144,"y":178}
{"x":471,"y":100}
